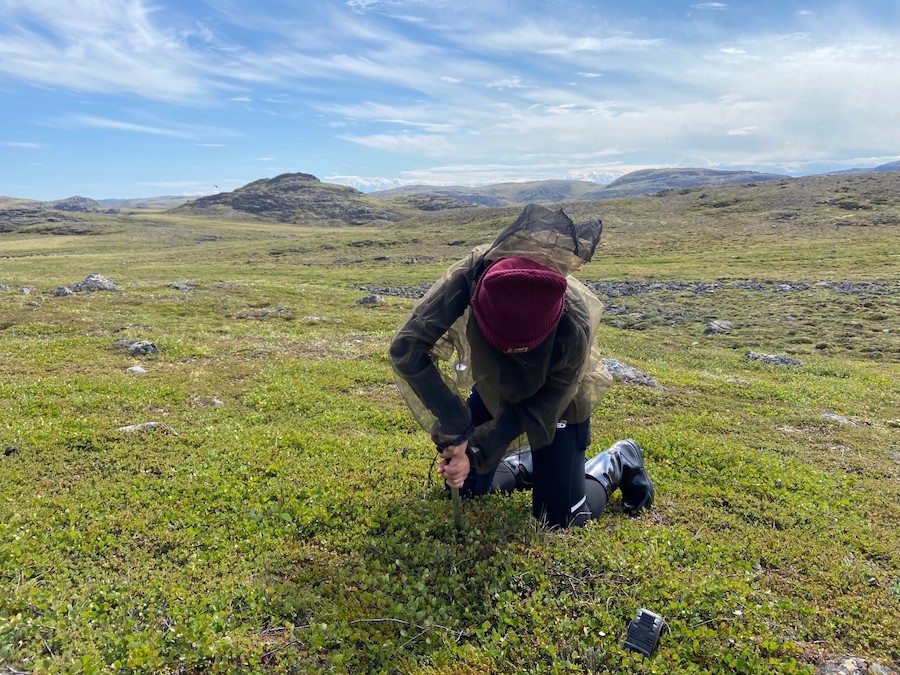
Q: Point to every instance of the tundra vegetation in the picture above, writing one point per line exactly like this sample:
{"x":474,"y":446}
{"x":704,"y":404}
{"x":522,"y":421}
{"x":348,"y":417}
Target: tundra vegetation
{"x":282,"y":514}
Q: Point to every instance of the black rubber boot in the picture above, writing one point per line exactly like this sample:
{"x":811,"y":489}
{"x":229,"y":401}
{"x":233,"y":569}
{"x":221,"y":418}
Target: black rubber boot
{"x":622,"y":466}
{"x":515,"y":472}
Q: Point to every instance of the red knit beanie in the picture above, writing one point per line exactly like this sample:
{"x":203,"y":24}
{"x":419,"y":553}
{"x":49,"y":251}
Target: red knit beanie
{"x":517,"y":302}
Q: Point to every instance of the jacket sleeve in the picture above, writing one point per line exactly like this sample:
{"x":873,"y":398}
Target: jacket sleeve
{"x":411,"y":351}
{"x":537,"y":415}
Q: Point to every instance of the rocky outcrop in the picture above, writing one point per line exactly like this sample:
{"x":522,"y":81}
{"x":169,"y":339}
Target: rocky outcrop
{"x":17,"y":217}
{"x":295,"y":198}
{"x":93,"y":283}
{"x":82,"y":204}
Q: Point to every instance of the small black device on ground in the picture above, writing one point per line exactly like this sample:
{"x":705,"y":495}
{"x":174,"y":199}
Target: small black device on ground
{"x":643,"y":632}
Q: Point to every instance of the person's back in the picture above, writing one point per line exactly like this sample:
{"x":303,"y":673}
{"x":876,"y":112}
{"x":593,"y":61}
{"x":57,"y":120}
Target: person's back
{"x":519,"y":334}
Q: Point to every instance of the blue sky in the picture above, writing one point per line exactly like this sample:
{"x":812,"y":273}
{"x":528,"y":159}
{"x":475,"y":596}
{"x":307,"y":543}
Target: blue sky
{"x":132,"y":98}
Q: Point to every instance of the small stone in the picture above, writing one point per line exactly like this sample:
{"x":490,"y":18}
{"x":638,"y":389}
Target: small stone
{"x":94,"y":282}
{"x":852,"y":665}
{"x":773,"y":359}
{"x":25,"y":290}
{"x":320,"y":319}
{"x":718,"y":326}
{"x":4,"y":287}
{"x":182,"y":286}
{"x":204,"y":402}
{"x":9,"y":451}
{"x":878,"y":669}
{"x":629,"y":374}
{"x":137,"y":347}
{"x":63,"y":291}
{"x":148,"y":426}
{"x":261,"y":314}
{"x":837,"y":418}
{"x":370,"y":300}
{"x":136,"y":370}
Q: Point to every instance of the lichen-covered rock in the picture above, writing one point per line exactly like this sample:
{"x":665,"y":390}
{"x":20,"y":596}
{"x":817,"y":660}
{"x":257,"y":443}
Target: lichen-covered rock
{"x":280,"y":312}
{"x":622,"y":372}
{"x":840,"y":419}
{"x":148,"y":426}
{"x":63,"y":291}
{"x":93,"y":283}
{"x":773,"y":359}
{"x":717,"y":326}
{"x":853,"y":665}
{"x":137,"y":347}
{"x":370,"y":300}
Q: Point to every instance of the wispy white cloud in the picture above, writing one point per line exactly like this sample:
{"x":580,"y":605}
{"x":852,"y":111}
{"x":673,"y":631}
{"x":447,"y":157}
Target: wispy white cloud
{"x":544,"y":39}
{"x":553,"y":95}
{"x":391,"y":5}
{"x":514,"y":82}
{"x":23,"y":144}
{"x":118,"y":125}
{"x":98,"y":45}
{"x":406,"y":117}
{"x":403,"y":144}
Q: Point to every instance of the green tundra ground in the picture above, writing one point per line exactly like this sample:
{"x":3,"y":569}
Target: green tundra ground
{"x":291,"y":523}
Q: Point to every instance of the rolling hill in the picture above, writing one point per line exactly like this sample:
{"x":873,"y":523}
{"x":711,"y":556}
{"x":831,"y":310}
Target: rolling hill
{"x":294,"y":198}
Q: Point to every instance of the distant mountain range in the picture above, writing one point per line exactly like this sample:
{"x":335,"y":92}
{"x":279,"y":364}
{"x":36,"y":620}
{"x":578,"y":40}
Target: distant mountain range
{"x":646,"y":181}
{"x":301,"y":197}
{"x":890,"y":166}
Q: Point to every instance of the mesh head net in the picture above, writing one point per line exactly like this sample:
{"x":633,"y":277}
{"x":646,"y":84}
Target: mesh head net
{"x":550,"y":238}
